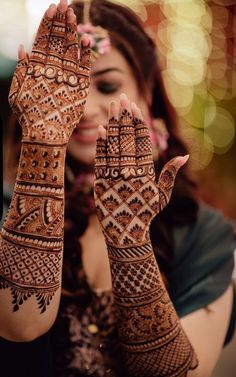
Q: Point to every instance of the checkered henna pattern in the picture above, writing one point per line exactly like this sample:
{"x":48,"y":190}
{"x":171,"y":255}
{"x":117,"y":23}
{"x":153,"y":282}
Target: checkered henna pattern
{"x":127,"y":198}
{"x":47,"y":94}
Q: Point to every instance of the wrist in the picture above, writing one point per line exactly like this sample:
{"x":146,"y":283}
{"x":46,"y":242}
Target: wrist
{"x":41,"y":165}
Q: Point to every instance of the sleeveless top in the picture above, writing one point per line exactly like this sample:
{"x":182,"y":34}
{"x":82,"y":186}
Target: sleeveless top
{"x":84,"y":341}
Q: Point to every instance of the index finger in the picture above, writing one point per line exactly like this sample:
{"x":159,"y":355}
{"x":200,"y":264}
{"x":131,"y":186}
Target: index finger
{"x":40,"y":45}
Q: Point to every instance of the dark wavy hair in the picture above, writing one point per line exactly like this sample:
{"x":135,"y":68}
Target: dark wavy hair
{"x":128,"y":36}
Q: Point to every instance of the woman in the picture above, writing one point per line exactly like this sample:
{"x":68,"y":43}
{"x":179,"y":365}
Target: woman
{"x":141,"y":333}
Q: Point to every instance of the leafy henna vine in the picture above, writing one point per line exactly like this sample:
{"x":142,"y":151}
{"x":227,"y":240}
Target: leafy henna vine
{"x":47,"y":94}
{"x":127,"y":198}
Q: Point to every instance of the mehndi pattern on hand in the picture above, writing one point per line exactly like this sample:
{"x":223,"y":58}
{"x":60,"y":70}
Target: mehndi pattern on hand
{"x":126,"y":194}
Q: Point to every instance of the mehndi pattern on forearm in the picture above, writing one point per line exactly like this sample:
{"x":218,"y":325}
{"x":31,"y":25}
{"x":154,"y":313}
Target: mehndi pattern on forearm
{"x":32,"y":235}
{"x":127,"y":198}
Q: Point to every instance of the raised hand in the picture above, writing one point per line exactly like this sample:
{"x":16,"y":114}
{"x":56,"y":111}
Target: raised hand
{"x":47,"y":94}
{"x":127,"y":198}
{"x":50,"y":86}
{"x":126,"y":194}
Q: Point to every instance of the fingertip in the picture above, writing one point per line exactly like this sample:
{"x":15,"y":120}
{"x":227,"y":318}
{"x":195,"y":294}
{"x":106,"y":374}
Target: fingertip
{"x":181,"y":160}
{"x":124,"y":101}
{"x":85,"y":40}
{"x":136,"y":111}
{"x":21,"y":52}
{"x":63,"y":5}
{"x":101,"y":132}
{"x":51,"y":11}
{"x":114,"y":109}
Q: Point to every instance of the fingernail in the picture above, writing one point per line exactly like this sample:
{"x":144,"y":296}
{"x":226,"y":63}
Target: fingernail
{"x":123,"y":96}
{"x":85,"y":40}
{"x":181,"y":160}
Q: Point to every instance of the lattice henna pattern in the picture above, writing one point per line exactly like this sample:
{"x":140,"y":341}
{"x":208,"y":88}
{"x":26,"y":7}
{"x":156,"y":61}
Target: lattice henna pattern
{"x":127,"y":198}
{"x":47,"y":94}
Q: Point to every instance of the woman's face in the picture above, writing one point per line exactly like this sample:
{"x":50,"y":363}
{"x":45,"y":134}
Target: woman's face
{"x":111,"y":75}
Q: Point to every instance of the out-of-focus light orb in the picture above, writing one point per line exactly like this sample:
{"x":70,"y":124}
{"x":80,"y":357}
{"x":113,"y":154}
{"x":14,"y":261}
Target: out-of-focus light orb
{"x":200,"y":147}
{"x":192,"y":10}
{"x":217,"y":69}
{"x":180,"y":96}
{"x":221,"y":130}
{"x":138,"y":6}
{"x":224,"y":2}
{"x":190,"y":41}
{"x":195,"y":69}
{"x":203,"y":107}
{"x":220,"y":16}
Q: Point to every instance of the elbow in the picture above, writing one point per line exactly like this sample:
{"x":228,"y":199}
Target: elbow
{"x":24,"y":334}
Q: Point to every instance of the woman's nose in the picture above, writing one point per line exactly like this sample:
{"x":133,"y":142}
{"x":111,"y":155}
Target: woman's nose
{"x":95,"y":109}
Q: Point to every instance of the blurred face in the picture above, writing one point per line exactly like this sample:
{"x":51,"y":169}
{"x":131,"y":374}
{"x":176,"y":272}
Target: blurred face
{"x":111,"y":75}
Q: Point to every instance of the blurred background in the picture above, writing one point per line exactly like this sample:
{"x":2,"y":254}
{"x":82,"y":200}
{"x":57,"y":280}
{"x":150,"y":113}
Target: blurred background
{"x":196,"y":43}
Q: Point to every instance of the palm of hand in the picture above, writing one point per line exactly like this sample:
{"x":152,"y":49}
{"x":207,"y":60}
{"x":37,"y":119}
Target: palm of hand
{"x":49,"y":88}
{"x":127,"y":196}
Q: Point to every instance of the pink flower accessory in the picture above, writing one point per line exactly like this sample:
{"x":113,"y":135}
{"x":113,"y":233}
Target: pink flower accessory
{"x":99,"y":38}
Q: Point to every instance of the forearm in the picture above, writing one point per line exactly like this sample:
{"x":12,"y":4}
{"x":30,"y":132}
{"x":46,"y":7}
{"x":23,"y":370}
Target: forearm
{"x":152,"y":339}
{"x":32,"y":243}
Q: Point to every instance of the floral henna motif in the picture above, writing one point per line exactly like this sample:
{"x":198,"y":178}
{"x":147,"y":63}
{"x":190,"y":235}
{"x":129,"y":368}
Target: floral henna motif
{"x":50,"y":87}
{"x":153,"y":341}
{"x":47,"y":94}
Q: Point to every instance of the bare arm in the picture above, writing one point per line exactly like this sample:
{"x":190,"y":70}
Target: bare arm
{"x":47,"y":94}
{"x":127,"y":198}
{"x":206,"y":329}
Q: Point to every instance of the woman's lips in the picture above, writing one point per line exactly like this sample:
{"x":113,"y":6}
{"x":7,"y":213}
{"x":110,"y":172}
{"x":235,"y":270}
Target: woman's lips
{"x":86,"y":134}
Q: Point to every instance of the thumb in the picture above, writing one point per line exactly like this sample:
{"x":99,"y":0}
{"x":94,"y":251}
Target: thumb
{"x":167,"y":179}
{"x":19,"y":75}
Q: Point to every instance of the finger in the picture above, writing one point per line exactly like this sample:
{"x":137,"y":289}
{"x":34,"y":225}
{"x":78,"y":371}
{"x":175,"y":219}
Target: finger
{"x":143,"y":143}
{"x":19,"y":75}
{"x":21,"y":52}
{"x":113,"y":136}
{"x":63,"y":5}
{"x":100,"y":157}
{"x":70,"y":60}
{"x":127,"y":135}
{"x":167,"y":179}
{"x":84,"y":64}
{"x":57,"y":39}
{"x":40,"y":45}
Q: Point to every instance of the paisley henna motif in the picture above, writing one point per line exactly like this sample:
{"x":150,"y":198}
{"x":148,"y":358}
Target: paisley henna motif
{"x":127,"y":198}
{"x":47,"y":94}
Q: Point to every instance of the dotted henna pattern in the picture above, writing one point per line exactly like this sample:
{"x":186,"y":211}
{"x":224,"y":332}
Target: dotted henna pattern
{"x":47,"y":94}
{"x":127,"y":198}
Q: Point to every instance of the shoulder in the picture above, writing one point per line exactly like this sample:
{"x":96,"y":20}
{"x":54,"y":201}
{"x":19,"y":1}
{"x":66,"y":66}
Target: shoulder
{"x":203,"y":260}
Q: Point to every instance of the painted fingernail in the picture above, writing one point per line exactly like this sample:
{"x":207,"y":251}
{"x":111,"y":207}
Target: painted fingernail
{"x":181,"y":160}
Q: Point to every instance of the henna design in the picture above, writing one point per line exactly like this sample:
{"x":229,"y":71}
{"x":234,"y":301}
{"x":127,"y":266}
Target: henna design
{"x":127,"y":198}
{"x":47,"y":94}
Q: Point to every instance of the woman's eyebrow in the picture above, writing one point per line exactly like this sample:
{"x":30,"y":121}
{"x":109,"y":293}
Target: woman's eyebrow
{"x":106,"y":70}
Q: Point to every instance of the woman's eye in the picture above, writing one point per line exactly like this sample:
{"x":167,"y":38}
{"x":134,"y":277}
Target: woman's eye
{"x":107,"y":87}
